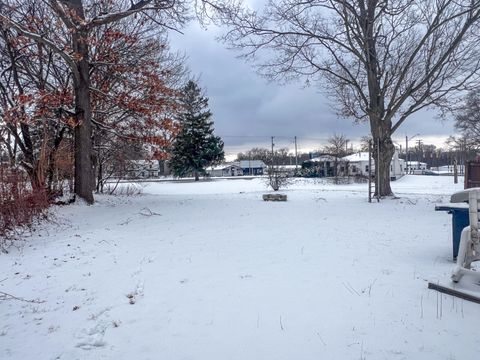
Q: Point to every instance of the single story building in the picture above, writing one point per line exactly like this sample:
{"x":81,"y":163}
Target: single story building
{"x":358,"y":165}
{"x":142,"y":169}
{"x":415,"y":165}
{"x":319,"y":166}
{"x":224,"y":170}
{"x":252,"y":167}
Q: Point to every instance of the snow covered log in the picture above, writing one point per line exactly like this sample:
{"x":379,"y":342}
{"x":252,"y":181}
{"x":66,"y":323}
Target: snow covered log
{"x":274,"y":197}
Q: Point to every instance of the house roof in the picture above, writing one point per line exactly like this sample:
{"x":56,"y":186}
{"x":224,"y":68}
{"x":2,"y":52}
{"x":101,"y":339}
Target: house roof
{"x":246,"y":164}
{"x":360,"y":156}
{"x":222,"y":167}
{"x":322,"y":158}
{"x":289,"y":167}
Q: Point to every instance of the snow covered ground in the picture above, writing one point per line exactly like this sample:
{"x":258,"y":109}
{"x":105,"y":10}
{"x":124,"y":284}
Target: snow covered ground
{"x":209,"y":271}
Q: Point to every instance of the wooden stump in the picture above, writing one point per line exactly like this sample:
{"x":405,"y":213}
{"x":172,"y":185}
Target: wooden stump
{"x":274,"y":197}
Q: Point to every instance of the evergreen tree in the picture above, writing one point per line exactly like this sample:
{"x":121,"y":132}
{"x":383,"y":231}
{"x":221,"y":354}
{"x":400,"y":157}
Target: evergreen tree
{"x":195,"y":147}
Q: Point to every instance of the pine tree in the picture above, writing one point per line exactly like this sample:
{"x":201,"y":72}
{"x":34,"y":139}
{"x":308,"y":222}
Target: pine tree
{"x":195,"y":147}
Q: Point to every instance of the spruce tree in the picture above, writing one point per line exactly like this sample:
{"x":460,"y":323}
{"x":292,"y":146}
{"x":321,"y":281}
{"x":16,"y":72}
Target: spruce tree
{"x":195,"y":147}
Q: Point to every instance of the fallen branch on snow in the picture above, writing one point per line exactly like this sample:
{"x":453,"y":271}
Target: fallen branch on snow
{"x":148,"y":212}
{"x":6,"y":296}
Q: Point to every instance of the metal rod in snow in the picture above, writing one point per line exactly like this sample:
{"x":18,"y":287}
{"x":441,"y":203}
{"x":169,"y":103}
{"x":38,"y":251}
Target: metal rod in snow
{"x":377,"y":166}
{"x":370,"y":171}
{"x":273,"y":156}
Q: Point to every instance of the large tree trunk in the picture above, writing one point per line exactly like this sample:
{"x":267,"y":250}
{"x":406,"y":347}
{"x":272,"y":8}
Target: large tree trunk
{"x":83,"y":144}
{"x":382,"y":155}
{"x":197,"y":177}
{"x":84,"y":176}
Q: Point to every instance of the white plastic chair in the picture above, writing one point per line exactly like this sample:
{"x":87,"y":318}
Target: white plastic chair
{"x":469,"y":250}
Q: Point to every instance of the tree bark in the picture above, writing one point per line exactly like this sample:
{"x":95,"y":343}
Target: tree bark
{"x":382,"y":155}
{"x":83,"y":110}
{"x":196,"y":176}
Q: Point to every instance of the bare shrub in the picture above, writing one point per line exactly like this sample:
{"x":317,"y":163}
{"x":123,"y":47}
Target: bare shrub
{"x":20,"y":205}
{"x":123,"y":189}
{"x":277,"y":178}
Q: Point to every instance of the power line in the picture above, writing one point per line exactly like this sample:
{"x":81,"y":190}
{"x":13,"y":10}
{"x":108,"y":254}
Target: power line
{"x":276,"y":136}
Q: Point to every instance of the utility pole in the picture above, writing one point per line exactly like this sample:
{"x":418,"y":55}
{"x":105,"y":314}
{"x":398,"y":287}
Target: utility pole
{"x":407,"y":157}
{"x":296,"y":156}
{"x":273,"y":156}
{"x":406,"y":154}
{"x":455,"y":171}
{"x":419,"y":144}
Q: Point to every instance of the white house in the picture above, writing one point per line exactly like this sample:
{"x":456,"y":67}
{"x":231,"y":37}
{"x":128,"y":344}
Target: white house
{"x":224,"y":170}
{"x":142,"y":169}
{"x":358,"y":165}
{"x":416,"y":165}
{"x":397,"y":167}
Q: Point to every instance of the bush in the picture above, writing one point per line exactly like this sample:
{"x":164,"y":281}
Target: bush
{"x":277,"y":178}
{"x":19,"y":204}
{"x":123,"y":189}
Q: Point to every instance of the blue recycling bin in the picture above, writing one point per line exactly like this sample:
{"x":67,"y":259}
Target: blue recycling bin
{"x":460,"y":221}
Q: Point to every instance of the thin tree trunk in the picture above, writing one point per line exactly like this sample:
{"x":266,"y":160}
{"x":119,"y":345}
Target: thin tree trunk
{"x":196,"y":176}
{"x":99,"y":175}
{"x":51,"y":161}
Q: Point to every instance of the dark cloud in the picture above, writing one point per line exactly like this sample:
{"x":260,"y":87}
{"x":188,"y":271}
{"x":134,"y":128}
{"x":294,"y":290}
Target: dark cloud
{"x":248,"y":109}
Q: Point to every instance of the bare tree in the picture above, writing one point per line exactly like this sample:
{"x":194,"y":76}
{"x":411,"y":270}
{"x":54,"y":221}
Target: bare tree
{"x":277,"y":178}
{"x":365,"y":143}
{"x":33,"y":86}
{"x":381,"y":60}
{"x":256,"y":154}
{"x":277,"y":175}
{"x":69,"y":38}
{"x":463,"y":148}
{"x":337,"y":147}
{"x":467,"y":119}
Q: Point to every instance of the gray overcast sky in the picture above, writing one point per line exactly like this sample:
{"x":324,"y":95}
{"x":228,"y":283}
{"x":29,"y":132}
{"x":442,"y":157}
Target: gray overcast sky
{"x":247,"y":109}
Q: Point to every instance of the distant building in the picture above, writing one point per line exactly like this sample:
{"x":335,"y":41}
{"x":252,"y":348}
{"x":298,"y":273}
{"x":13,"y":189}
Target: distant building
{"x":449,"y":169}
{"x":252,"y":167}
{"x":319,"y":166}
{"x":142,"y":169}
{"x":224,"y":170}
{"x":358,"y":165}
{"x":416,"y":167}
{"x":289,"y":170}
{"x":164,"y":168}
{"x":398,"y":167}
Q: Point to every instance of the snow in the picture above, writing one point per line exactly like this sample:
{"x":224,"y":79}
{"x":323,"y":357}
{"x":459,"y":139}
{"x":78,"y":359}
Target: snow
{"x":209,"y":271}
{"x":361,"y":156}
